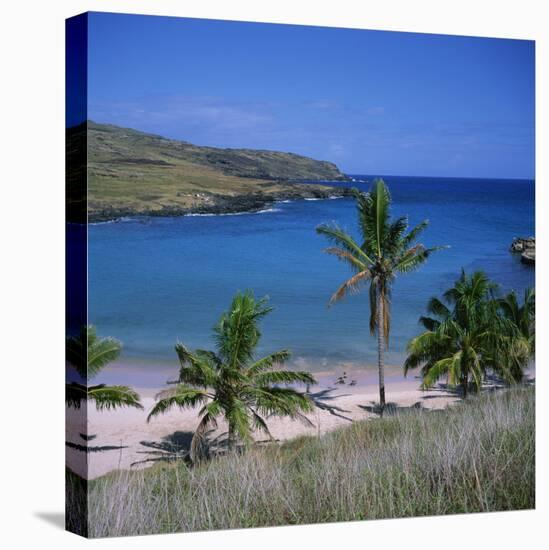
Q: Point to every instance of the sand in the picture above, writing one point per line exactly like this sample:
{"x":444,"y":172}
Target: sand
{"x":122,"y":438}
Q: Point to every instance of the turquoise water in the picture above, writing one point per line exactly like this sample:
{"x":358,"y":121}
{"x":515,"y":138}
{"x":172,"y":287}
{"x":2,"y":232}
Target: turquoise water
{"x":153,"y":281}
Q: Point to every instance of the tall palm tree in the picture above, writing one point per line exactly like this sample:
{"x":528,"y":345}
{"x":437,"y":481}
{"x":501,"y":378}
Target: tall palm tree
{"x":89,"y":354}
{"x":462,"y":334}
{"x":518,"y":331}
{"x":385,"y":250}
{"x":232,"y":383}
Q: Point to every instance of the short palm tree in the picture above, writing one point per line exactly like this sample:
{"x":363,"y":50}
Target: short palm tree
{"x":232,"y":383}
{"x":89,"y":354}
{"x":385,"y":250}
{"x":461,"y":336}
{"x":518,"y":332}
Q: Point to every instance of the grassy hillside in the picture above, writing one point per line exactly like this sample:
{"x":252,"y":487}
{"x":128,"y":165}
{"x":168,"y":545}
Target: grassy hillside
{"x":131,"y":172}
{"x":475,"y":457}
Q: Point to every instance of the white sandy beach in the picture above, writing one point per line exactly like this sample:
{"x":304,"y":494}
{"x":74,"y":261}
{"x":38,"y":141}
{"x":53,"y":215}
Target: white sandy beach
{"x":123,"y":436}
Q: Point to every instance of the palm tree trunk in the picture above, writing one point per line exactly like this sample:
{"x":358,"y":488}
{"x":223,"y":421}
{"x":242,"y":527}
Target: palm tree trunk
{"x":380,"y":350}
{"x":231,"y":438}
{"x":464,"y":384}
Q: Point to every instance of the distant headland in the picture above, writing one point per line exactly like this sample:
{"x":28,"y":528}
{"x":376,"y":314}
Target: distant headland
{"x":135,"y":173}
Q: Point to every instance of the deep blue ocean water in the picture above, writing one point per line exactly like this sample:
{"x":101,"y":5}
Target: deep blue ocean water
{"x":153,"y":281}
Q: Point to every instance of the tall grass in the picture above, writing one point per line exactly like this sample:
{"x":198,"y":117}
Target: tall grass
{"x":475,"y":457}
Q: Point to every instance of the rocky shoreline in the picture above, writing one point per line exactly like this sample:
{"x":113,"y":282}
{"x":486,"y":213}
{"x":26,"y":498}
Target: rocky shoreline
{"x":220,"y":204}
{"x":526,"y":247}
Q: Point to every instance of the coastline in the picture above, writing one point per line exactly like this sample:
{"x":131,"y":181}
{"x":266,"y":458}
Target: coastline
{"x":214,"y":204}
{"x":123,"y":439}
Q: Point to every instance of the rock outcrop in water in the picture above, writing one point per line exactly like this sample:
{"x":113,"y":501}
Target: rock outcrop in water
{"x":526,"y":247}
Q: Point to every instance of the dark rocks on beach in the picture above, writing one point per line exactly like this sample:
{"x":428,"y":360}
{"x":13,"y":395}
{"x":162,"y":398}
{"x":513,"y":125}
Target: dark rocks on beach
{"x":526,"y":246}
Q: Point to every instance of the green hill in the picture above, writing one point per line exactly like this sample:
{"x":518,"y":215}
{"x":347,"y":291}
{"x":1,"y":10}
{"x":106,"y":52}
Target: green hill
{"x":132,"y":172}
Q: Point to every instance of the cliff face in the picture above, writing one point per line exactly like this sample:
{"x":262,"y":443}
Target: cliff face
{"x":132,"y":172}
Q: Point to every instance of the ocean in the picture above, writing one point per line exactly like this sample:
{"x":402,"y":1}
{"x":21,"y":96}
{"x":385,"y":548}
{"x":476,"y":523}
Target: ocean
{"x":155,"y":281}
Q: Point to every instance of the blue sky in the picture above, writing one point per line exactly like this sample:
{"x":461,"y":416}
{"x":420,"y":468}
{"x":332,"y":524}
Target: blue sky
{"x":372,"y":102}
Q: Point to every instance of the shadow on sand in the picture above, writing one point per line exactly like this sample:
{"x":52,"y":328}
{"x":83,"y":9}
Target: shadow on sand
{"x":178,"y":442}
{"x":96,"y":449}
{"x":175,"y":446}
{"x":322,"y":400}
{"x":392,"y":409}
{"x":491,"y":383}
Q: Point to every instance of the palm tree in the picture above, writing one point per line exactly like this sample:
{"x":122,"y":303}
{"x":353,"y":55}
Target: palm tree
{"x":89,"y":354}
{"x":232,"y":383}
{"x":462,"y":334}
{"x":386,"y":249}
{"x":518,"y":331}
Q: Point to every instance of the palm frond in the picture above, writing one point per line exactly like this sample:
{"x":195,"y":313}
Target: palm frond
{"x":475,"y":368}
{"x":208,"y":421}
{"x":75,"y":394}
{"x":414,"y":233}
{"x":373,"y":214}
{"x":269,"y":361}
{"x":279,"y":401}
{"x":382,"y":200}
{"x":350,"y":286}
{"x":111,"y":397}
{"x":395,"y":235}
{"x":237,"y":332}
{"x":439,"y":369}
{"x":437,"y":307}
{"x":343,"y":240}
{"x":509,"y":306}
{"x":415,"y":257}
{"x":260,"y":424}
{"x":427,"y":347}
{"x":180,"y":396}
{"x":88,"y":353}
{"x":429,"y":323}
{"x":239,"y":422}
{"x":198,"y":368}
{"x":347,"y":257}
{"x":102,"y":352}
{"x":283,"y":377}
